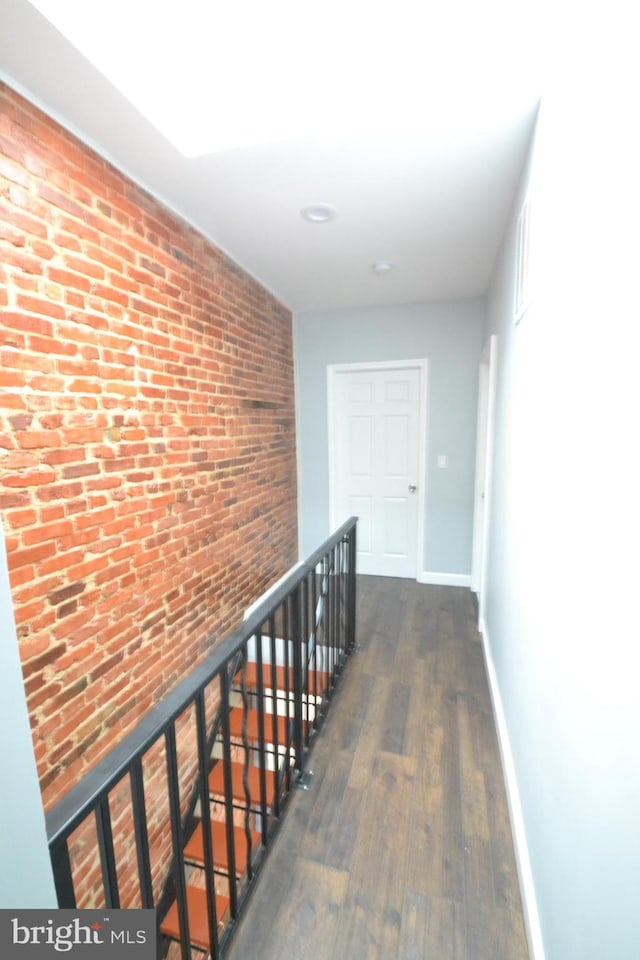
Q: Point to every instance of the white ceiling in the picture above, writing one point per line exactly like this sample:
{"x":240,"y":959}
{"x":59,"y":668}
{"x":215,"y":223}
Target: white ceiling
{"x":410,"y":119}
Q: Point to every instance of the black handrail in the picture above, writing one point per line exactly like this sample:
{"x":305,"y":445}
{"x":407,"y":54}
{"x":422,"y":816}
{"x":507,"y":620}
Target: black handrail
{"x":316,"y":602}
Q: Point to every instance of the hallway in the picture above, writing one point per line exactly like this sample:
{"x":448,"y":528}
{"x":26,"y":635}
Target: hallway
{"x":401,"y":849}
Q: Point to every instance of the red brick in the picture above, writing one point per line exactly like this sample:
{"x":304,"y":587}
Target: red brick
{"x":52,"y":512}
{"x":68,"y":279}
{"x":27,"y":323}
{"x":35,"y":478}
{"x":26,"y":263}
{"x":59,"y":491}
{"x":88,"y":567}
{"x":22,"y":518}
{"x":52,"y":345}
{"x":39,"y":306}
{"x":50,"y":531}
{"x":95,"y":518}
{"x":63,"y":455}
{"x":61,"y":562}
{"x":19,"y":558}
{"x":47,"y":384}
{"x":20,"y":361}
{"x":10,"y":500}
{"x":58,"y":199}
{"x":11,"y":171}
{"x":85,"y":386}
{"x":82,"y":434}
{"x":111,"y":294}
{"x":33,"y":439}
{"x":23,"y":221}
{"x":45,"y":251}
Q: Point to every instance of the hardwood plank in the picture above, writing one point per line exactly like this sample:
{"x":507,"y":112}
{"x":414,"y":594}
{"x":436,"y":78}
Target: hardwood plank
{"x":446,"y":932}
{"x":394,"y":718}
{"x":423,"y":732}
{"x":426,"y":850}
{"x":432,"y":929}
{"x":511,"y":937}
{"x":453,"y":844}
{"x":412,"y":944}
{"x":342,"y":845}
{"x":259,"y":932}
{"x":374,"y":899}
{"x":312,"y":911}
{"x":368,"y":741}
{"x":320,"y":809}
{"x":479,"y":901}
{"x":346,"y":722}
{"x":475,"y":821}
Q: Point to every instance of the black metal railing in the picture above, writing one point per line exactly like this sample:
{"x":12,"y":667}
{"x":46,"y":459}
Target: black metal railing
{"x":221,"y":751}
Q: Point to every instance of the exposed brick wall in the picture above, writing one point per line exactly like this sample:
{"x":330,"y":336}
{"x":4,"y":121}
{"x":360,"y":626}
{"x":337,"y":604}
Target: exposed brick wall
{"x":147,"y":444}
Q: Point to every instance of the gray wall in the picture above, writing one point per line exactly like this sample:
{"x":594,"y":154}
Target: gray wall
{"x":25,"y":868}
{"x":562,"y":614}
{"x":449,"y":336}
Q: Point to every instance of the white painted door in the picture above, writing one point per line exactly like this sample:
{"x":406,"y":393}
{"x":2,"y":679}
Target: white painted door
{"x":376,"y":429}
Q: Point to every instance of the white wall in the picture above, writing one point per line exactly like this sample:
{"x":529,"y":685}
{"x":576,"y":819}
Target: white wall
{"x":562,"y":614}
{"x":25,"y":869}
{"x":449,"y":335}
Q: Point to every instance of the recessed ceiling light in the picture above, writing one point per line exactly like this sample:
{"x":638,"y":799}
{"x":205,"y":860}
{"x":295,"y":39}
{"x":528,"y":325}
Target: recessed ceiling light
{"x":319,"y":212}
{"x":383,"y":266}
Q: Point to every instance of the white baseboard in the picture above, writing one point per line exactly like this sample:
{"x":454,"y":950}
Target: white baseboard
{"x":444,"y":579}
{"x":527,"y":888}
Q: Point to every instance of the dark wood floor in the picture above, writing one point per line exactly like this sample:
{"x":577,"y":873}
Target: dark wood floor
{"x":401,"y":849}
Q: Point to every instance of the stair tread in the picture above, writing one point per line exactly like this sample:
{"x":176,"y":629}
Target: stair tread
{"x":270,"y":725}
{"x":216,"y":783}
{"x":194,"y":850}
{"x":284,"y":677}
{"x":198,"y":917}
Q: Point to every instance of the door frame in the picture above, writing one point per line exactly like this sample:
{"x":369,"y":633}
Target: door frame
{"x":338,"y":369}
{"x":484,"y":470}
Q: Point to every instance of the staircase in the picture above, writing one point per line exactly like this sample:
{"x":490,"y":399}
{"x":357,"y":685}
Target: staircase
{"x":179,"y":816}
{"x":253,"y":783}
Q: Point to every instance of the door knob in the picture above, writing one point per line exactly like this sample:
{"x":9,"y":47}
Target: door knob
{"x":412,"y":488}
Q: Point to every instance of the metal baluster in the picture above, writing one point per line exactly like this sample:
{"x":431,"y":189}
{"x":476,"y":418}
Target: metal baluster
{"x":304,"y":640}
{"x":339,"y":638}
{"x":261,"y":743}
{"x":314,"y":627}
{"x":176,"y":838}
{"x":63,"y":875}
{"x":336,"y":611}
{"x":331,"y":610}
{"x":141,"y":834}
{"x":228,"y":786}
{"x":286,"y":639}
{"x":107,"y":854}
{"x":274,"y":707}
{"x":297,"y":678}
{"x":352,"y":589}
{"x":329,"y":619}
{"x":245,"y":766}
{"x":205,"y":807}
